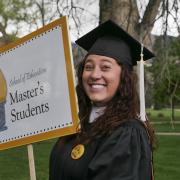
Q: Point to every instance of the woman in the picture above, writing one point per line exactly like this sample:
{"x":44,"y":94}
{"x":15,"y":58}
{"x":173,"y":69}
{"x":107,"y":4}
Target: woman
{"x":113,"y":143}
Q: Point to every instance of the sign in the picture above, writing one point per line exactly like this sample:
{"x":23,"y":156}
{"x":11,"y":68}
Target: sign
{"x":37,"y":94}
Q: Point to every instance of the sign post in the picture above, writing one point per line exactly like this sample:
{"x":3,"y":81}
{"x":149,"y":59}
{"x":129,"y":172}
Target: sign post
{"x":32,"y":169}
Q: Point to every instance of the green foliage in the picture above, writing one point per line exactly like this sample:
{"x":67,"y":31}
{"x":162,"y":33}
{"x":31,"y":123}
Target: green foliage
{"x":19,"y":17}
{"x":12,"y":13}
{"x":166,"y":72}
{"x":175,"y":47}
{"x":13,"y":10}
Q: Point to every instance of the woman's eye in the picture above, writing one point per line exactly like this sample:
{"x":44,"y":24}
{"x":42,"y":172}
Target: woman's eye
{"x":88,"y":67}
{"x":106,"y":68}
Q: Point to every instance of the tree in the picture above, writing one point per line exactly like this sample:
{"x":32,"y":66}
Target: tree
{"x":138,"y":17}
{"x":126,"y":14}
{"x":166,"y":73}
{"x":12,"y":13}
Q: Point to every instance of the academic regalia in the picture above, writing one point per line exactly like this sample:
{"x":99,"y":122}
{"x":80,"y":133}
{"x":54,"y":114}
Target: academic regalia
{"x":124,"y":155}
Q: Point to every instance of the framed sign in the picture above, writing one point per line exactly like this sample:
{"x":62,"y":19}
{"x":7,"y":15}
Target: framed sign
{"x":37,"y":93}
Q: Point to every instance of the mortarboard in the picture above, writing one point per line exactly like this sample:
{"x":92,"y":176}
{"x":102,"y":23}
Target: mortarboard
{"x":109,"y":39}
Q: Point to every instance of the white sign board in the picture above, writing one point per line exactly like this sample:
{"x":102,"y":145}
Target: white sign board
{"x":37,"y":87}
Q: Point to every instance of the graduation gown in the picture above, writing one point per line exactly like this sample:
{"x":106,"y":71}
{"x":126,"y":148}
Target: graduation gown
{"x":124,"y":155}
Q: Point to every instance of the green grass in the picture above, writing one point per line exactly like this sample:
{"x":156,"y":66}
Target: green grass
{"x":162,"y":115}
{"x":167,"y":159}
{"x":14,"y":163}
{"x":166,"y":127}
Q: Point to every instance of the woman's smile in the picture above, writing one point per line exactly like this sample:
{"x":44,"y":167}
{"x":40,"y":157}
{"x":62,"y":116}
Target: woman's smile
{"x":97,"y":87}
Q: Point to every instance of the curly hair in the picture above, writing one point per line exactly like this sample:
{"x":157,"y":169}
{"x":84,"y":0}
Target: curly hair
{"x":122,"y":107}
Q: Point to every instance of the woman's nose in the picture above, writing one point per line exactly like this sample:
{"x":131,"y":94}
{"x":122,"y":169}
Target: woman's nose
{"x":96,"y":73}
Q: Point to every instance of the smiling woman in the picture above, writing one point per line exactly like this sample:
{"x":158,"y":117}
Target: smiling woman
{"x":113,"y":143}
{"x":101,"y":78}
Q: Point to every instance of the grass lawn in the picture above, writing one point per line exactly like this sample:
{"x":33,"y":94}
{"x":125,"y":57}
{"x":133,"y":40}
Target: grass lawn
{"x":167,"y":159}
{"x":162,"y":115}
{"x":14,"y":162}
{"x":166,"y":127}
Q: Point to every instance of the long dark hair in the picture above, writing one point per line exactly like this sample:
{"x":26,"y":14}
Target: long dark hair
{"x":124,"y":106}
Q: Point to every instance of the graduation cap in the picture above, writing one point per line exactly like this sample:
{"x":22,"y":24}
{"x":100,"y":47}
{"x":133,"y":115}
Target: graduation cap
{"x":109,"y":39}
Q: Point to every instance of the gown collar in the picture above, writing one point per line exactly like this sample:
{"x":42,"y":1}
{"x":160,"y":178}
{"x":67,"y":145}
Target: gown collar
{"x":96,"y":112}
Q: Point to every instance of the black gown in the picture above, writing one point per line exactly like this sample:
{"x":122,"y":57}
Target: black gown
{"x":124,"y":155}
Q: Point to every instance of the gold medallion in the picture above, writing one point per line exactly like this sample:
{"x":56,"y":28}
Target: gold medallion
{"x":77,"y":151}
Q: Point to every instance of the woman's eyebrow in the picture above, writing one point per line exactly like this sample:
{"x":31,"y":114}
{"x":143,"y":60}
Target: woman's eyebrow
{"x":103,"y":60}
{"x":88,"y":60}
{"x":106,"y":60}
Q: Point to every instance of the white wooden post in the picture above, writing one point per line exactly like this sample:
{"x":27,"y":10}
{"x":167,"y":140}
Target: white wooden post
{"x":31,"y":162}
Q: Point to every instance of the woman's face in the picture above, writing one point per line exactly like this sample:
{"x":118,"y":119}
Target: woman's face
{"x":101,"y":78}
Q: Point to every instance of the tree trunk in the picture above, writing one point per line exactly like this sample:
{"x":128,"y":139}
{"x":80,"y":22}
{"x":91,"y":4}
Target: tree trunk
{"x":172,"y":110}
{"x":125,"y":13}
{"x":172,"y":113}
